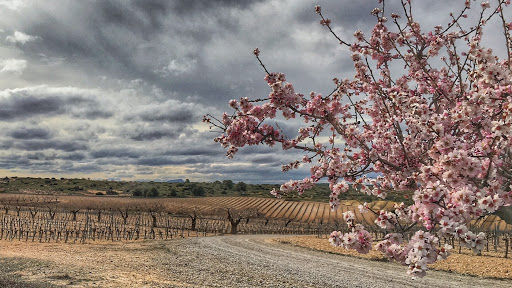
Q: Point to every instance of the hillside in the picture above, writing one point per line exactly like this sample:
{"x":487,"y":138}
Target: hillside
{"x":88,"y":187}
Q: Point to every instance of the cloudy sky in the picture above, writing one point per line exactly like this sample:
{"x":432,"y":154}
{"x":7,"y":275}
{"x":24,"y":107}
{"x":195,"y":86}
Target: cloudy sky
{"x":113,"y":89}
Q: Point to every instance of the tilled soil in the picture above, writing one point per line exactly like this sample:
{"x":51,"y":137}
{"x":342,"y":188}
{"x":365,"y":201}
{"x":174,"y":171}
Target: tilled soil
{"x":223,"y":261}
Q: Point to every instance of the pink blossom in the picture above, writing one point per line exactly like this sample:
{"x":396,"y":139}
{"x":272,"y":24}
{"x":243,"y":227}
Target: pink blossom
{"x":325,"y":22}
{"x":359,"y":35}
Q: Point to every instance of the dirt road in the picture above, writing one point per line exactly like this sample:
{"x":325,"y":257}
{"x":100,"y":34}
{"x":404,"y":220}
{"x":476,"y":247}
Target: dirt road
{"x":225,"y":261}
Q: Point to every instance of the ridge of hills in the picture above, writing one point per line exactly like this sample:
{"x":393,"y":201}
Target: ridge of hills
{"x":174,"y":188}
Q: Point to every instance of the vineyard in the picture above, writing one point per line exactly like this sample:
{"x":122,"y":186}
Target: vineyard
{"x":79,"y":219}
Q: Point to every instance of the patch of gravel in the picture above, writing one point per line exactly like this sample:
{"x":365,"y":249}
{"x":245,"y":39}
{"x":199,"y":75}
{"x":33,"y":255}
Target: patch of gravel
{"x":255,"y":261}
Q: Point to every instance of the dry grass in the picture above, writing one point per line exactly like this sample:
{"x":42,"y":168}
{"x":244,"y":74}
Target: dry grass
{"x":489,"y":264}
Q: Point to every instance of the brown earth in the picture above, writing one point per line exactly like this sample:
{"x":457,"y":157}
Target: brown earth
{"x":91,"y":265}
{"x":160,"y":263}
{"x":489,"y":264}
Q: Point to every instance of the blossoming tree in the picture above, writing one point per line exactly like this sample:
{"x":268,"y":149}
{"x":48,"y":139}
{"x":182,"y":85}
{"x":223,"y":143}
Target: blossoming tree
{"x":441,"y":128}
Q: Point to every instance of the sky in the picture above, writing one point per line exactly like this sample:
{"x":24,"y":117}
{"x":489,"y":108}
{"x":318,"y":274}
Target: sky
{"x":111,"y":89}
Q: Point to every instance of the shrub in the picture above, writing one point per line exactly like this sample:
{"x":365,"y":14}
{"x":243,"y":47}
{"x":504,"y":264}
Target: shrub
{"x":198,"y":191}
{"x":137,"y":192}
{"x":153,"y":192}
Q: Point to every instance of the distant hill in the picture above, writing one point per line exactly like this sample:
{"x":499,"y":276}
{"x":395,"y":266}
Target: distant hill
{"x":176,"y":188}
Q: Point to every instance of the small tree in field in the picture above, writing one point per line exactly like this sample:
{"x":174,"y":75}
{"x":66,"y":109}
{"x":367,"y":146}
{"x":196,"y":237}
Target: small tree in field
{"x":425,"y":111}
{"x":235,"y":216}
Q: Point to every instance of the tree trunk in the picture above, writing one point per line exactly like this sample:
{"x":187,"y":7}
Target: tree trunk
{"x":234,"y":227}
{"x":194,"y":222}
{"x":506,"y":246}
{"x":74,"y":214}
{"x":153,"y":216}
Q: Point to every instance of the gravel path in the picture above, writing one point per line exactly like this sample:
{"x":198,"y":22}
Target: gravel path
{"x":222,"y":261}
{"x":253,"y":261}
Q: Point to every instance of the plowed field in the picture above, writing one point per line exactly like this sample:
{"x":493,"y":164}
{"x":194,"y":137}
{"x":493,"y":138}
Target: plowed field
{"x":269,"y":208}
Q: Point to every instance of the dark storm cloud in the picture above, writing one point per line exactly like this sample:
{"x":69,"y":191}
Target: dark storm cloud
{"x":14,"y":108}
{"x":83,"y":130}
{"x":30,"y":133}
{"x":75,"y":156}
{"x":91,"y":110}
{"x":170,"y":160}
{"x":24,"y":103}
{"x":168,"y":120}
{"x":147,"y":157}
{"x":14,"y":162}
{"x":48,"y":161}
{"x":6,"y":144}
{"x":242,"y":171}
{"x":151,"y":133}
{"x":262,"y":159}
{"x":130,"y":39}
{"x":35,"y":145}
{"x":170,"y":112}
{"x":177,"y":115}
{"x":141,"y":39}
{"x":148,"y":17}
{"x":184,"y":7}
{"x":198,"y":150}
{"x":41,"y":156}
{"x":116,"y":152}
{"x":114,"y":163}
{"x":72,"y":167}
{"x":143,"y":21}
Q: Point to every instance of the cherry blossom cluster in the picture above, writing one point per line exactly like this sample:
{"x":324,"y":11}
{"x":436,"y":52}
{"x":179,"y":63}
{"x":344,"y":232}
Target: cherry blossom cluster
{"x":440,"y":126}
{"x":421,"y":250}
{"x":358,"y":239}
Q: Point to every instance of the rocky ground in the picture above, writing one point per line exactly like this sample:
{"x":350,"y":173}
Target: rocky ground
{"x":224,"y":261}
